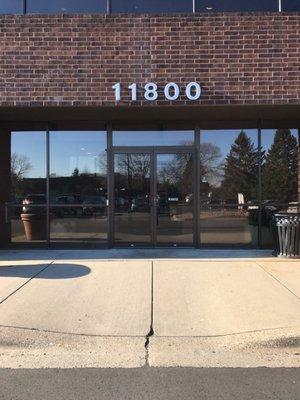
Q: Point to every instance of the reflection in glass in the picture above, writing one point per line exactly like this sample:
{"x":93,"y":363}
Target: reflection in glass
{"x":229,"y":162}
{"x":175,"y":198}
{"x":153,"y":138}
{"x":234,"y":5}
{"x":11,"y":6}
{"x":132,"y":219}
{"x":28,"y":186}
{"x":290,"y":5}
{"x":78,"y":187}
{"x":66,"y":6}
{"x":153,"y":6}
{"x":280,"y":174}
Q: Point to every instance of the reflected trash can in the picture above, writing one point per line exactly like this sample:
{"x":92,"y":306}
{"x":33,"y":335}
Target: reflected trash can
{"x":286,"y":232}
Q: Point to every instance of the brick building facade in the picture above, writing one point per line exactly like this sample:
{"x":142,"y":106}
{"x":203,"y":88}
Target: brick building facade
{"x":57,"y":72}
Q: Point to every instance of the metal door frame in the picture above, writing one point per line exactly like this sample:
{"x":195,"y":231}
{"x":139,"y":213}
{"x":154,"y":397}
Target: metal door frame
{"x":153,"y":151}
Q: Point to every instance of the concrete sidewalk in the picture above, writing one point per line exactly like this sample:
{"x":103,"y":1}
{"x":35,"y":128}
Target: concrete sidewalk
{"x":57,"y":311}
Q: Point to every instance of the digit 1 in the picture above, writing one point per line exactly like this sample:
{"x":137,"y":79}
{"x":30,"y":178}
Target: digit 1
{"x":117,"y":89}
{"x":133,"y":89}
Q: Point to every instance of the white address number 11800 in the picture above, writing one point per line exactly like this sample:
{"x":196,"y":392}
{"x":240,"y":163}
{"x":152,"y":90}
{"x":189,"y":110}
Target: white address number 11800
{"x":171,"y":91}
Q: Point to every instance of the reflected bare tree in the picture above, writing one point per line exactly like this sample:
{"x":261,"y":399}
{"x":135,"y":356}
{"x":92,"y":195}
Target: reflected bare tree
{"x":211,"y":165}
{"x":19,"y":167}
{"x":134,"y":165}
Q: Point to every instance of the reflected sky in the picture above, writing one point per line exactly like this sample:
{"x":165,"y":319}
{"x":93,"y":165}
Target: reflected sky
{"x":80,"y":151}
{"x":153,"y":138}
{"x":76,"y":150}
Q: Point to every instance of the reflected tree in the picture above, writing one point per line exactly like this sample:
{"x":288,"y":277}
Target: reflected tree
{"x":19,"y":167}
{"x":241,"y":170}
{"x":280,"y":170}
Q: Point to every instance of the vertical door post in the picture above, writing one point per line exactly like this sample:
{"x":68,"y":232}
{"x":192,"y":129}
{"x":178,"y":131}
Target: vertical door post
{"x":48,"y":187}
{"x":110,"y":186}
{"x":259,"y":224}
{"x":197,"y":180}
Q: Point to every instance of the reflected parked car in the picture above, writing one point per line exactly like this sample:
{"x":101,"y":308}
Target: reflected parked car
{"x":30,"y":202}
{"x":66,"y":199}
{"x":140,"y":203}
{"x":93,"y":205}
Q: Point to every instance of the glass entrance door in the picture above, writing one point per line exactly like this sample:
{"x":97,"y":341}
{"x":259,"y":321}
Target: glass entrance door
{"x":174,"y":193}
{"x":153,"y":198}
{"x":132,"y":199}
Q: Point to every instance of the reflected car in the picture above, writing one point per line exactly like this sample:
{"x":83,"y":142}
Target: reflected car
{"x":66,"y":199}
{"x":140,"y":203}
{"x":267,"y":210}
{"x":93,"y":205}
{"x":30,"y":203}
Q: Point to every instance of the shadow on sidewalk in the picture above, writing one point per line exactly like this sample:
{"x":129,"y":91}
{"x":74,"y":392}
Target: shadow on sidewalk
{"x":43,"y":271}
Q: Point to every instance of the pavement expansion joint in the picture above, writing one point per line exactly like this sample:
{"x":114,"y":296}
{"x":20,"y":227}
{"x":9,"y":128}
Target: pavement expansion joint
{"x":278,"y":280}
{"x":25,"y":283}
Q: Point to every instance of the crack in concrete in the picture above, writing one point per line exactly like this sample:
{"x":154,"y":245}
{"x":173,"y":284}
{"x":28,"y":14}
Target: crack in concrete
{"x":151,"y":331}
{"x":25,"y":283}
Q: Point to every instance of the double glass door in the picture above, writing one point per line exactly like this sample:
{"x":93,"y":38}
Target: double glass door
{"x":153,"y":198}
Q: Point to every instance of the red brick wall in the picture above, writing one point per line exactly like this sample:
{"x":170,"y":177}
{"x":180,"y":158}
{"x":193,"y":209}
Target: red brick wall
{"x":74,"y":60}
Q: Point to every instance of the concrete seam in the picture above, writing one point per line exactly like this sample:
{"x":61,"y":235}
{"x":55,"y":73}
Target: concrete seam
{"x":69,"y":333}
{"x":25,"y":283}
{"x":277,"y":280}
{"x":142,"y":336}
{"x":151,"y":331}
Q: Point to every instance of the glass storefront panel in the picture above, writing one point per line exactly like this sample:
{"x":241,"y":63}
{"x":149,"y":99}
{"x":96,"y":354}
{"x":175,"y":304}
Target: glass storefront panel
{"x":175,"y":206}
{"x":78,"y":187}
{"x":28,"y":187}
{"x":228,"y":187}
{"x":153,"y":6}
{"x":234,"y":5}
{"x":153,"y":138}
{"x":132,"y":199}
{"x":154,"y":188}
{"x":11,"y":6}
{"x":280,"y":177}
{"x":66,"y":6}
{"x":290,"y":5}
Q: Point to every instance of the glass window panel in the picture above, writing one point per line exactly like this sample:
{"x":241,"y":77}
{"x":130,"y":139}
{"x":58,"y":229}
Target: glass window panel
{"x":228,"y":187}
{"x":153,"y":6}
{"x":66,"y":6}
{"x":132,"y":209}
{"x":28,"y":186}
{"x":78,"y":187}
{"x":290,"y":5}
{"x":234,"y":5}
{"x":11,"y":6}
{"x":153,"y":138}
{"x":175,"y":207}
{"x":280,"y":177}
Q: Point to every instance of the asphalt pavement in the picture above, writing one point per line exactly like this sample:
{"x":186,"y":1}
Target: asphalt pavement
{"x":151,"y":383}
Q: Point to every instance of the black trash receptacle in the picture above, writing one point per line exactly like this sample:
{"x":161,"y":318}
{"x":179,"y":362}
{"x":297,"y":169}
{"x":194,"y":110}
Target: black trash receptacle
{"x":286,"y":231}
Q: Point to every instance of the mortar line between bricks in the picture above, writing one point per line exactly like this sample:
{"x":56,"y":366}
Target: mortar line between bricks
{"x":25,"y":283}
{"x":277,"y":280}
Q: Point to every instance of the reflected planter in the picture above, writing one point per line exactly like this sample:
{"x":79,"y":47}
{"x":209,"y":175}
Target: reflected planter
{"x":34,"y":226}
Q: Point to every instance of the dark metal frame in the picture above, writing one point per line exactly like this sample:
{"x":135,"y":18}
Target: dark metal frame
{"x":108,"y":6}
{"x":153,"y":151}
